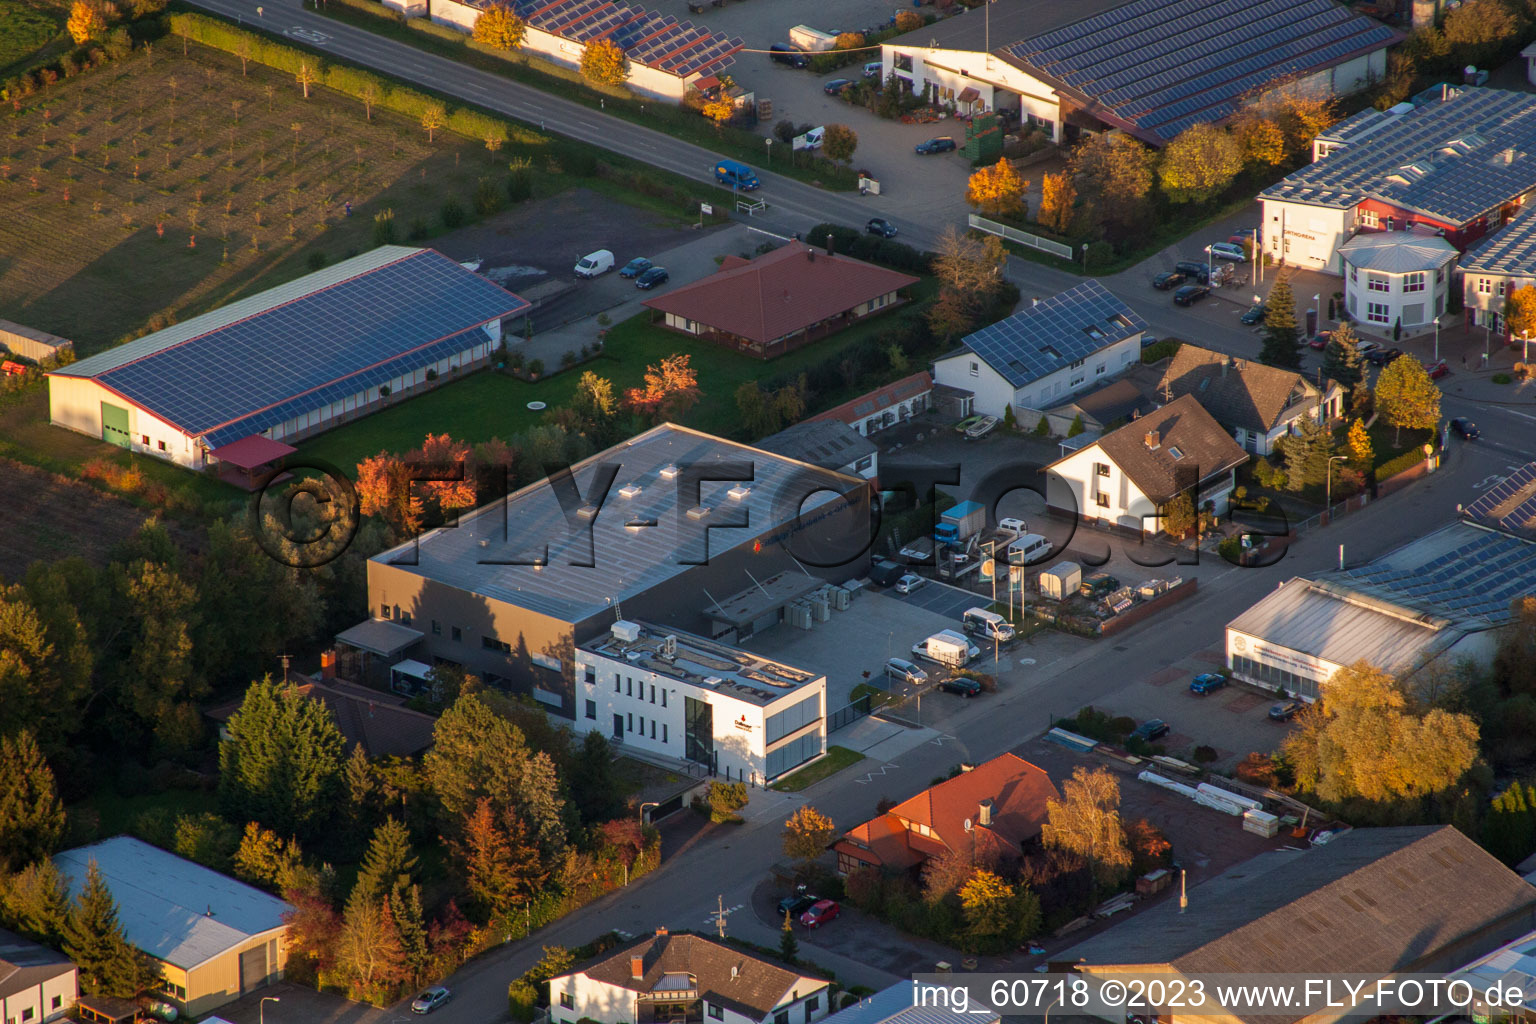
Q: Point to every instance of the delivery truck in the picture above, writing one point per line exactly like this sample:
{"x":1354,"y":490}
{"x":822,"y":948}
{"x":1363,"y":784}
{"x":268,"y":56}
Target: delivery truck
{"x":737,"y":175}
{"x":947,"y":648}
{"x":960,"y":522}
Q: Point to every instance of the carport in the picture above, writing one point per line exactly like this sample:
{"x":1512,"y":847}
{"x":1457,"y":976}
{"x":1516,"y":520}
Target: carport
{"x":369,"y":649}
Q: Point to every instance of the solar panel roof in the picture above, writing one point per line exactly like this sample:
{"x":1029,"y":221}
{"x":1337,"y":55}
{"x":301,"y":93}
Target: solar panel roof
{"x":1055,"y":332}
{"x":655,"y":40}
{"x":1510,"y":250}
{"x":294,"y":348}
{"x":1155,"y":67}
{"x":1407,"y":159}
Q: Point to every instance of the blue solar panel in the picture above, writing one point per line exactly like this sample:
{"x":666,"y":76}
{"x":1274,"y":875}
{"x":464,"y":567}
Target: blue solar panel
{"x":339,"y":334}
{"x":1054,"y":333}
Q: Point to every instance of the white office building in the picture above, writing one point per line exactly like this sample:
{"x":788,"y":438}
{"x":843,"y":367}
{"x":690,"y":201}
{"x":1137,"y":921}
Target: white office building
{"x":680,"y":696}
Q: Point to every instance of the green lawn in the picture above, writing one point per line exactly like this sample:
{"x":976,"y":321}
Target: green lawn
{"x":836,"y":760}
{"x":26,"y":28}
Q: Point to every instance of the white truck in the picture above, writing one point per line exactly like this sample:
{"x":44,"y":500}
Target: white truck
{"x":947,"y":648}
{"x":812,"y":39}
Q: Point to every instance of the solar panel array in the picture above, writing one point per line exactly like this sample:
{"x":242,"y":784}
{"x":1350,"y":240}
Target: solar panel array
{"x":1502,"y":494}
{"x":1509,"y":250}
{"x":1478,"y":578}
{"x":1462,"y":183}
{"x":1055,"y":333}
{"x":1160,"y":66}
{"x":646,"y":37}
{"x":320,"y":346}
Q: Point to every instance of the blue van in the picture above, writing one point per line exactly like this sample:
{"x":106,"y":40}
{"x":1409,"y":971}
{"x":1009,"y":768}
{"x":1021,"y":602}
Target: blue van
{"x":737,"y":175}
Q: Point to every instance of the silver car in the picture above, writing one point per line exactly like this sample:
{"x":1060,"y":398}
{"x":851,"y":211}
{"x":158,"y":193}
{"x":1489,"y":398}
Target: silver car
{"x":430,"y":999}
{"x":903,"y":670}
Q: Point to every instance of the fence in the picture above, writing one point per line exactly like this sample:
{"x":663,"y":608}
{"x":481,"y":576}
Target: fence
{"x":1016,"y":236}
{"x":848,"y":714}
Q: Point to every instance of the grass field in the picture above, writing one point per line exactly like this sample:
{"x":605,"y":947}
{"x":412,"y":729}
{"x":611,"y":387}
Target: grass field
{"x":25,"y":28}
{"x":490,"y":404}
{"x":836,"y":760}
{"x":169,"y":184}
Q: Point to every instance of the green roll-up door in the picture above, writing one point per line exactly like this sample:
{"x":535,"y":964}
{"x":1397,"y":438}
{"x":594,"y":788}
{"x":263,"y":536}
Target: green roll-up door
{"x":114,"y":425}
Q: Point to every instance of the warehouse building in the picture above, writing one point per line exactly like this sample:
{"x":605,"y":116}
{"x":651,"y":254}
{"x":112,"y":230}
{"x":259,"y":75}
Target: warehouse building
{"x":235,"y":386}
{"x":213,"y":939}
{"x":694,"y":532}
{"x":1440,"y":598}
{"x":740,"y":714}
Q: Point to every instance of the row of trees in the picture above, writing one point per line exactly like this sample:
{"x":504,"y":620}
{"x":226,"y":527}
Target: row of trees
{"x":603,"y":61}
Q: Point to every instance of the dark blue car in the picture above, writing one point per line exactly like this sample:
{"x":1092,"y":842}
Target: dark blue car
{"x":635,"y":267}
{"x":651,"y":278}
{"x":942,"y":144}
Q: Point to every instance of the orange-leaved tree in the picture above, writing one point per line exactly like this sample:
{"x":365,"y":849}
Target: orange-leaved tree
{"x":997,"y":190}
{"x":604,"y":63}
{"x":500,"y":28}
{"x":87,"y":21}
{"x":671,"y":389}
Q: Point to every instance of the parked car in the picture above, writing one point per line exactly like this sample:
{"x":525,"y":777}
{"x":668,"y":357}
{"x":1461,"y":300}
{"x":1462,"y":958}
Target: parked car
{"x":1228,"y":251}
{"x":1320,"y":340}
{"x":594,"y":263}
{"x":880,"y":226}
{"x":909,"y":583}
{"x":1464,"y":427}
{"x":1243,"y":237}
{"x":1207,"y":682}
{"x":1436,"y":370}
{"x":872,"y":69}
{"x":961,"y":685}
{"x":652,"y":277}
{"x":635,"y":267}
{"x":1194,"y":268}
{"x":1383,"y":356}
{"x":1098,"y":585}
{"x":819,"y":914}
{"x":903,"y":670}
{"x":1190,"y":294}
{"x":430,"y":999}
{"x":1013,"y":525}
{"x":1168,"y":279}
{"x":836,"y":86}
{"x":788,"y":55}
{"x":942,"y":144}
{"x":1365,"y":348}
{"x":796,"y":905}
{"x":1148,"y":340}
{"x":1151,"y":729}
{"x":1254,"y":314}
{"x":1285,"y":710}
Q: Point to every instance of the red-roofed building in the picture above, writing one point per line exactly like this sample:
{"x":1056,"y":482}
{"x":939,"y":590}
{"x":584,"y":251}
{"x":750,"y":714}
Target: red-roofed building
{"x":995,"y":809}
{"x":885,"y":406}
{"x":780,"y":301}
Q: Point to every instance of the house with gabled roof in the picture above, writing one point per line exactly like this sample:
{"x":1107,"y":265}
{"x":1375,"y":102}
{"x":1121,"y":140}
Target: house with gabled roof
{"x":686,"y":979}
{"x":36,"y":983}
{"x":1258,"y":404}
{"x":993,"y":810}
{"x":1125,"y":478}
{"x":1040,"y":356}
{"x":885,"y":406}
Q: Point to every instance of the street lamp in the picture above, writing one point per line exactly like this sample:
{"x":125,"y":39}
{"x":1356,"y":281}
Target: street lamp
{"x":1210,"y":266}
{"x":1328,"y":501}
{"x":769,"y":143}
{"x":1085,"y":245}
{"x":262,"y":1013}
{"x":1317,"y":308}
{"x":1437,"y":339}
{"x":648,"y":803}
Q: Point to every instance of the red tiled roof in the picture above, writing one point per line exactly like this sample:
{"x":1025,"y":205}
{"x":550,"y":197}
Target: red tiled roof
{"x":1018,"y":791}
{"x":251,"y":452}
{"x":779,"y":293}
{"x":867,"y":405}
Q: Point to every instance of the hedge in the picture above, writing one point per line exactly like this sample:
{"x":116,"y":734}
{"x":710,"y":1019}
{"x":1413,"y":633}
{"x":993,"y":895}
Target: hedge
{"x":1410,"y":458}
{"x":348,"y":80}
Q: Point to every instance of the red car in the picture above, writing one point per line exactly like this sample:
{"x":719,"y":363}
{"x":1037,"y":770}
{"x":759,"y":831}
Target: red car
{"x":820,"y":914}
{"x":1437,"y":370}
{"x":1321,"y":341}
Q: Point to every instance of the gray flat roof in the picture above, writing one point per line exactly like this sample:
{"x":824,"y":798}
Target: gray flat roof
{"x":1509,"y":250}
{"x":644,"y":533}
{"x":172,"y":909}
{"x":747,"y":606}
{"x":897,"y":1005}
{"x":705,"y":663}
{"x":1010,"y":20}
{"x":378,"y":636}
{"x":1460,"y":152}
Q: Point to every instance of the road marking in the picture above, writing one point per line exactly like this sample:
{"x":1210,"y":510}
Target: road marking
{"x":1522,"y":415}
{"x":1487,"y":482}
{"x":881,"y":771}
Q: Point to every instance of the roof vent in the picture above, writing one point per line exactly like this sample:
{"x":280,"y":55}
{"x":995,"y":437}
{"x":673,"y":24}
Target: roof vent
{"x":735,"y":970}
{"x":626,"y":631}
{"x":587,"y":511}
{"x":209,"y":911}
{"x":698,"y":512}
{"x":715,"y":681}
{"x":739,"y":492}
{"x":668,"y":471}
{"x":984,"y":813}
{"x":669,"y":647}
{"x":630,"y":491}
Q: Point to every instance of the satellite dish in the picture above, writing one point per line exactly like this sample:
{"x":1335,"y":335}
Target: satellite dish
{"x":967,"y":824}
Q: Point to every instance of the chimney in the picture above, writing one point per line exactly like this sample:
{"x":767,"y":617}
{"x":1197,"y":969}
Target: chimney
{"x":1153,"y":439}
{"x":328,"y":664}
{"x":661,"y":933}
{"x":966,"y":766}
{"x":984,"y":814}
{"x":637,"y":967}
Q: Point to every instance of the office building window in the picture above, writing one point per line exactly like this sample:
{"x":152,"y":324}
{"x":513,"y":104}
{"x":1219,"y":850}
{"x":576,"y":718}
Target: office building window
{"x":813,"y":1004}
{"x":615,"y":682}
{"x":642,"y":725}
{"x":653,"y":728}
{"x":458,"y":635}
{"x":629,"y":686}
{"x":663,"y":732}
{"x":629,"y":721}
{"x":1378,"y":313}
{"x":26,"y":1014}
{"x":591,"y":710}
{"x":1378,"y":283}
{"x":653,"y":693}
{"x":1413,"y":282}
{"x":1354,"y":273}
{"x":589,"y":675}
{"x":1370,"y":219}
{"x":58,"y":1001}
{"x":384,"y":611}
{"x":975,"y":368}
{"x":490,"y":643}
{"x":437,"y":628}
{"x":663,"y":696}
{"x":782,"y":1017}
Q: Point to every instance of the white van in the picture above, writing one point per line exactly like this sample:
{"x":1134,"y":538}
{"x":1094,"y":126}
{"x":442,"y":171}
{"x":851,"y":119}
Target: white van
{"x":595,"y":263}
{"x":989,"y":624}
{"x":1028,"y":549}
{"x":1012,"y":525}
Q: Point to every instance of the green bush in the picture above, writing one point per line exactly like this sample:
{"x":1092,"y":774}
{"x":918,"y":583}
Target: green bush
{"x":488,"y":198}
{"x":1205,"y":754}
{"x":1161,"y":350}
{"x":1502,"y":378}
{"x":1410,"y":458}
{"x":384,"y":227}
{"x":519,"y":186}
{"x":452,"y":214}
{"x":1100,"y":255}
{"x":1231,"y":549}
{"x":418,"y":229}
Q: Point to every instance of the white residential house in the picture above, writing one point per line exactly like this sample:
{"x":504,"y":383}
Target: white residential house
{"x":1038,"y":357}
{"x":1396,"y":277}
{"x":1258,"y":404}
{"x":1125,"y":478}
{"x":1496,"y":266}
{"x":675,"y":695}
{"x":686,"y":979}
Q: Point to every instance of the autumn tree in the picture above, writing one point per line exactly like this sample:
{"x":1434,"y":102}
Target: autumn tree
{"x":306,"y":76}
{"x":1407,"y":397}
{"x":441,"y":455}
{"x":1280,"y":326}
{"x":848,"y":41}
{"x":264,"y":858}
{"x":1058,"y":194}
{"x":434,"y":117}
{"x":313,"y":927}
{"x":93,"y":939}
{"x":499,"y":863}
{"x":1364,"y":740}
{"x":969,"y":266}
{"x":718,"y":109}
{"x":1478,"y":30}
{"x":765,"y":412}
{"x":368,"y":948}
{"x":1114,"y":175}
{"x":997,"y":914}
{"x":997,"y":191}
{"x":31,"y":814}
{"x":1520,"y":312}
{"x":603,"y":63}
{"x":384,"y":489}
{"x":1260,"y":140}
{"x":1086,"y":821}
{"x":1179,"y":515}
{"x":499,"y":27}
{"x":808,"y":833}
{"x":594,"y":397}
{"x":87,"y":21}
{"x":839,"y":142}
{"x":281,"y":761}
{"x":671,"y":390}
{"x":1303,"y":116}
{"x":1360,"y":450}
{"x":1199,"y":163}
